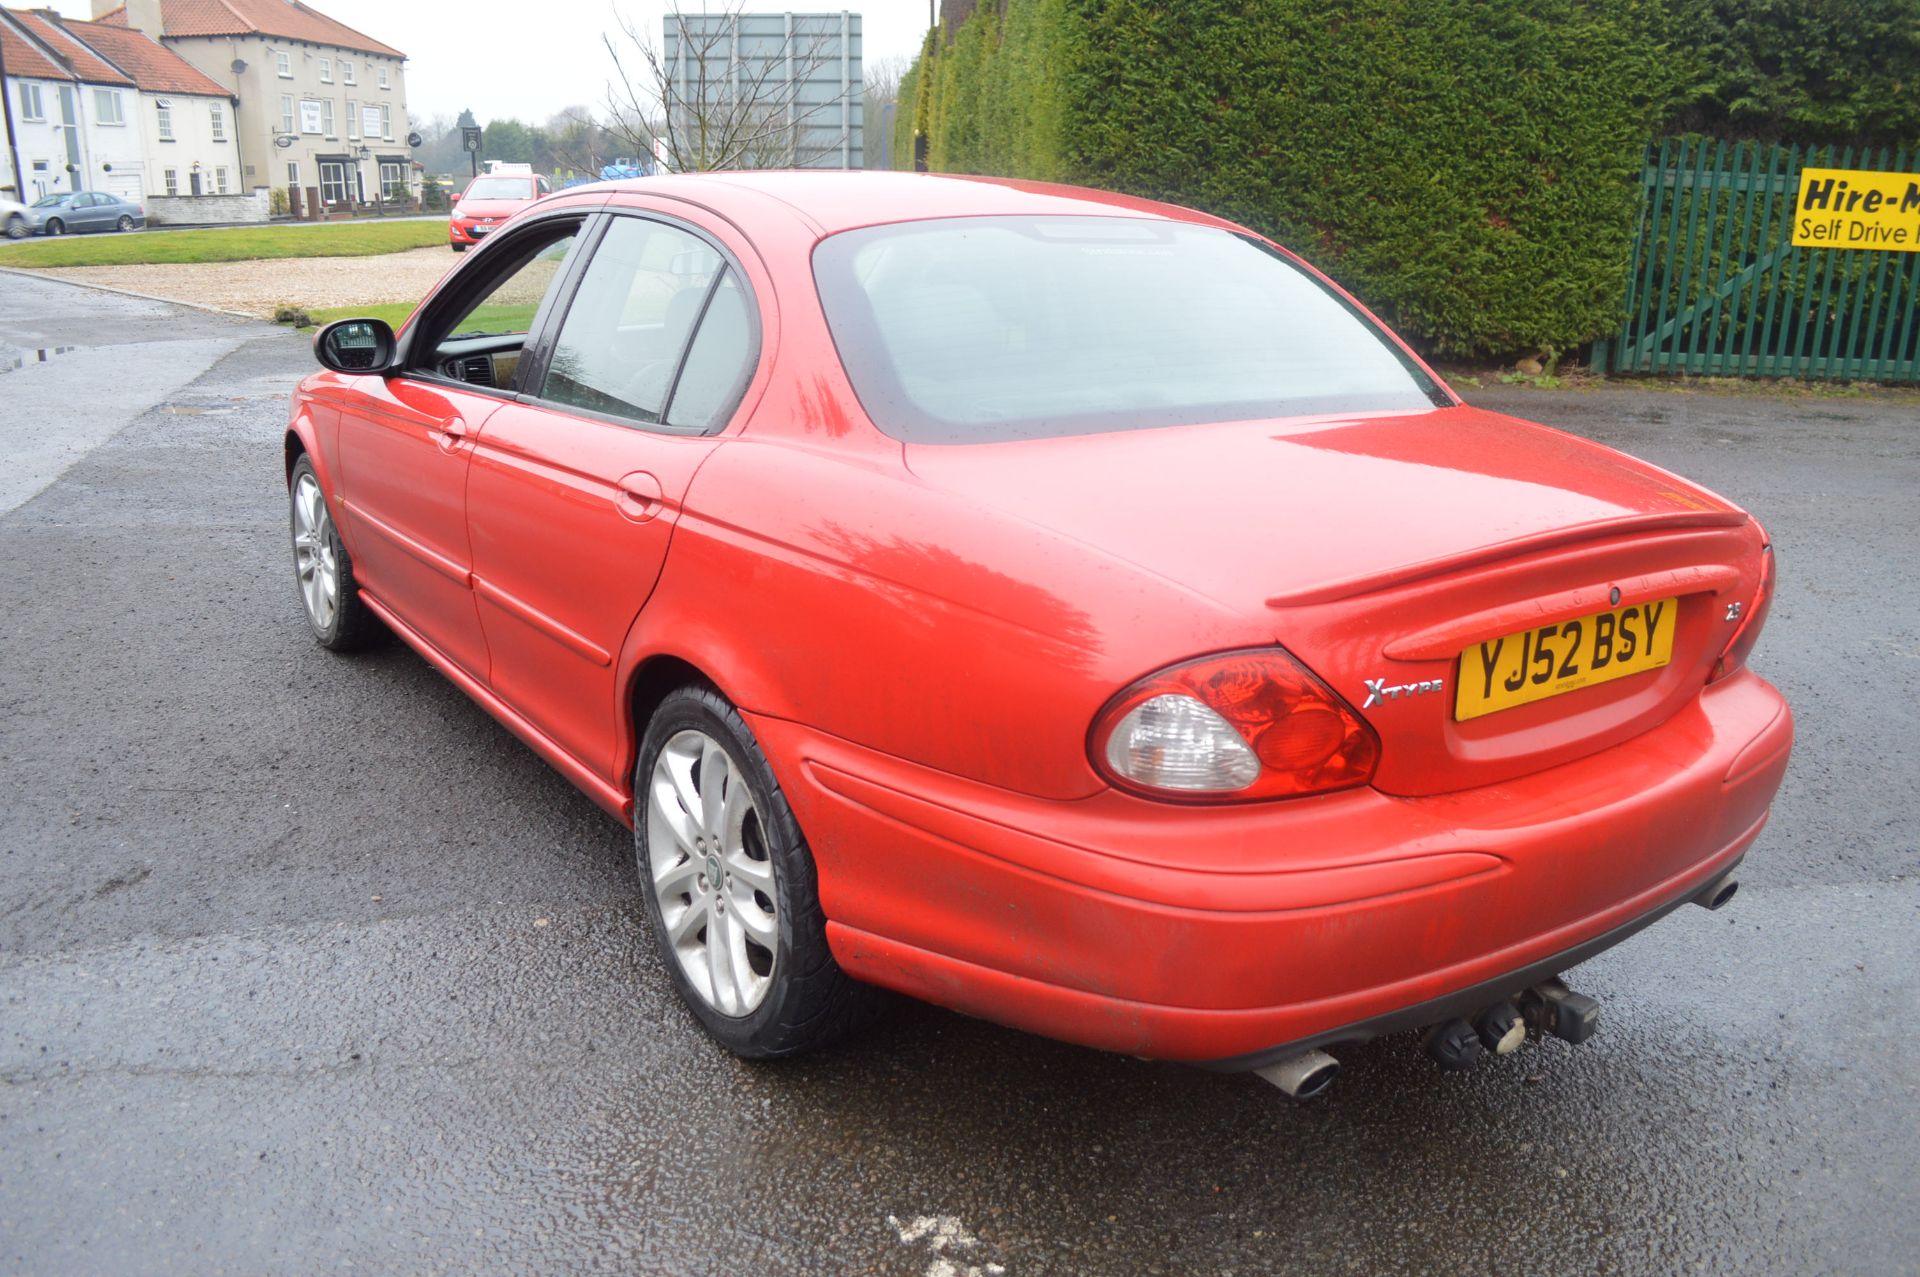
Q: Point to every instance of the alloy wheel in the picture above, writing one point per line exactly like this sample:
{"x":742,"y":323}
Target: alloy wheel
{"x":314,"y":556}
{"x":711,"y":873}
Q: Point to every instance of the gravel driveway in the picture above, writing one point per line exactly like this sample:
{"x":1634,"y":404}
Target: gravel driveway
{"x":255,"y":288}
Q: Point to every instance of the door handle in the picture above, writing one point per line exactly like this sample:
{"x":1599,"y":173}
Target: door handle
{"x":450,"y":433}
{"x":638,"y":495}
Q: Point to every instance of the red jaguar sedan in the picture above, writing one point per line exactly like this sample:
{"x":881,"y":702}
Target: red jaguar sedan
{"x":1069,"y":609}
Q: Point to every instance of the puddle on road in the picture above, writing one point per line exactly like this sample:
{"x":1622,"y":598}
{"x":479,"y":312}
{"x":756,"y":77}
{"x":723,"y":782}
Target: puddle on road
{"x":39,"y":356}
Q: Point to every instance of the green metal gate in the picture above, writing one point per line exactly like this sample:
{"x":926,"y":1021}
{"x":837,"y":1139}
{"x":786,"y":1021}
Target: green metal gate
{"x":1717,"y":288}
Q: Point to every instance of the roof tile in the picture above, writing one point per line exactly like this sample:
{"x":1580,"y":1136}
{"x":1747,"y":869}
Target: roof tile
{"x":288,"y":19}
{"x":154,"y":67}
{"x":88,"y":65}
{"x":24,"y":58}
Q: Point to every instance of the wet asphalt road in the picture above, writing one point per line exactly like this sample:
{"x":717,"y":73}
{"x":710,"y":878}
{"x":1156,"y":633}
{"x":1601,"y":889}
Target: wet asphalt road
{"x":306,"y":965}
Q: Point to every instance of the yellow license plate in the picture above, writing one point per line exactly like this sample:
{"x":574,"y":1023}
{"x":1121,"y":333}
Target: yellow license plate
{"x":1535,"y":664}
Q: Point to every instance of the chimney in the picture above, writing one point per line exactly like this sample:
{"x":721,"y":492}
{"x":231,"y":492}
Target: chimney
{"x":142,"y":15}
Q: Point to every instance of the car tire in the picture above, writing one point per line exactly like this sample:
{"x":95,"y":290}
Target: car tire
{"x":459,"y":248}
{"x":125,"y":223}
{"x":56,"y":227}
{"x":781,"y":992}
{"x":17,"y":227}
{"x":339,"y":619}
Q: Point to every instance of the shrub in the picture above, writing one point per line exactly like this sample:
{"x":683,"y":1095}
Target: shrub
{"x":1465,"y":167}
{"x":1810,"y":71}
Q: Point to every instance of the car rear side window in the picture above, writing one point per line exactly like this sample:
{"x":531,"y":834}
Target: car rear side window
{"x":961,"y":330}
{"x":626,"y":331}
{"x":717,"y":363}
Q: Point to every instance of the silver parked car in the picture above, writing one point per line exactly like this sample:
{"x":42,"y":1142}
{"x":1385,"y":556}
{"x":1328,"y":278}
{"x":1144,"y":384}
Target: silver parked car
{"x":85,"y":211}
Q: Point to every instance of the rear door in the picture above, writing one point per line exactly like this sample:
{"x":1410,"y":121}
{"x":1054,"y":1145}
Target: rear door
{"x":90,"y":212}
{"x":576,"y":487}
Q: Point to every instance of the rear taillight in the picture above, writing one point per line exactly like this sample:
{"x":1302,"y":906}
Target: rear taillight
{"x":1752,"y":617}
{"x":1236,"y":726}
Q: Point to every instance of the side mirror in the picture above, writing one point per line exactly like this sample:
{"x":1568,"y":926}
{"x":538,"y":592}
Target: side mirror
{"x":355,"y":346}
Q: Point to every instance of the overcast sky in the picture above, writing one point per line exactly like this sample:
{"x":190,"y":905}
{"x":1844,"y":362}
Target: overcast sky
{"x":509,"y":58}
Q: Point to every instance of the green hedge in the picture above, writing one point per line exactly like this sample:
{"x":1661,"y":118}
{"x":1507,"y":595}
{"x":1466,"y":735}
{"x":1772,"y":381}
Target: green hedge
{"x":1465,"y":167}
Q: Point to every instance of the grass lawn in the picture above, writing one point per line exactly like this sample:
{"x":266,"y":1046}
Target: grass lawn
{"x":347,"y":239}
{"x":395,"y":313}
{"x":488,"y":317}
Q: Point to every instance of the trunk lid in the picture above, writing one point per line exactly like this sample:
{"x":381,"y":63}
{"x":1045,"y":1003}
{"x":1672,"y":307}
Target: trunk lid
{"x":1379,"y":549}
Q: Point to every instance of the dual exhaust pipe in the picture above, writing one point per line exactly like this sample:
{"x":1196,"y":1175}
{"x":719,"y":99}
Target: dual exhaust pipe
{"x":1458,"y":1044}
{"x":1500,"y":1029}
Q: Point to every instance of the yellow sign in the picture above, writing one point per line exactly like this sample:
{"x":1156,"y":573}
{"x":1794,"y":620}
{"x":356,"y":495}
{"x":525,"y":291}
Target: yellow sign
{"x":1853,"y":208}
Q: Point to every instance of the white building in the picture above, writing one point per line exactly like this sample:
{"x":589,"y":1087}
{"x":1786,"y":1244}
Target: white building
{"x":74,"y":121}
{"x":186,"y":120}
{"x":140,"y":96}
{"x":319,"y":106}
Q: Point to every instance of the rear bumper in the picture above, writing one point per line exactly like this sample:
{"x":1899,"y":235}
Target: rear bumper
{"x":1229,"y":934}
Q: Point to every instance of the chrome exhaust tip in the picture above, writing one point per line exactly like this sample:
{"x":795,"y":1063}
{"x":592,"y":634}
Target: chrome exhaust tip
{"x":1717,"y":893}
{"x":1302,"y":1076}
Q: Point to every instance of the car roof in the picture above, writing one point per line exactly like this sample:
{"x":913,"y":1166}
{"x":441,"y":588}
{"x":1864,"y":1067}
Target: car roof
{"x":836,"y":201}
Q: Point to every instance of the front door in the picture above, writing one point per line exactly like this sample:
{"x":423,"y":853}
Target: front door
{"x":406,"y":442}
{"x":575,"y":490}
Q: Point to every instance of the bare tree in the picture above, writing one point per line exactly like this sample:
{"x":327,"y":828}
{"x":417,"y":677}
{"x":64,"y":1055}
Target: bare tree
{"x":707,"y":100}
{"x":882,"y":90}
{"x":577,"y":142}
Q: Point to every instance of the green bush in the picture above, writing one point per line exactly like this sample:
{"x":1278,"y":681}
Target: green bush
{"x":1834,"y":72}
{"x":1465,"y":166}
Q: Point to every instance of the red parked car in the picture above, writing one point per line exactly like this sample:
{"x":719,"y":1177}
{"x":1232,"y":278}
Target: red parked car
{"x":489,"y":200}
{"x":1065,"y":608}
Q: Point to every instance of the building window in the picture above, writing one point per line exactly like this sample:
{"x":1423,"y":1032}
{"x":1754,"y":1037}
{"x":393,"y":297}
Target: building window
{"x":173,"y":181}
{"x":353,"y":119}
{"x":165,"y":108}
{"x":106,"y":107}
{"x":326,"y":117}
{"x":283,"y":65}
{"x":383,"y":78}
{"x":309,"y":115}
{"x":386,"y":121}
{"x":219,"y":116}
{"x":333,"y":182}
{"x":393,"y":180}
{"x":220,"y":184}
{"x":31,"y":107}
{"x":293,"y":172}
{"x":346,"y":72}
{"x":326,"y":70}
{"x":286,"y":112}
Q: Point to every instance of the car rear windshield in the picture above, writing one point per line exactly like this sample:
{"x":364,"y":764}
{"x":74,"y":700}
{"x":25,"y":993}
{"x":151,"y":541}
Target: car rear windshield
{"x":500,"y":188}
{"x":963,"y":330}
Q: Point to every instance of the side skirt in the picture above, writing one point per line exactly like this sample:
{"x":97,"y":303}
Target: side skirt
{"x":592,"y":784}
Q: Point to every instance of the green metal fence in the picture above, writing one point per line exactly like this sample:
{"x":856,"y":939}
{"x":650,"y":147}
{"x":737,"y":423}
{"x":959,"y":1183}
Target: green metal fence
{"x":1717,"y":288}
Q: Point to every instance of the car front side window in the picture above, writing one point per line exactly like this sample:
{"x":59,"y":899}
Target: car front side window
{"x":508,"y":307}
